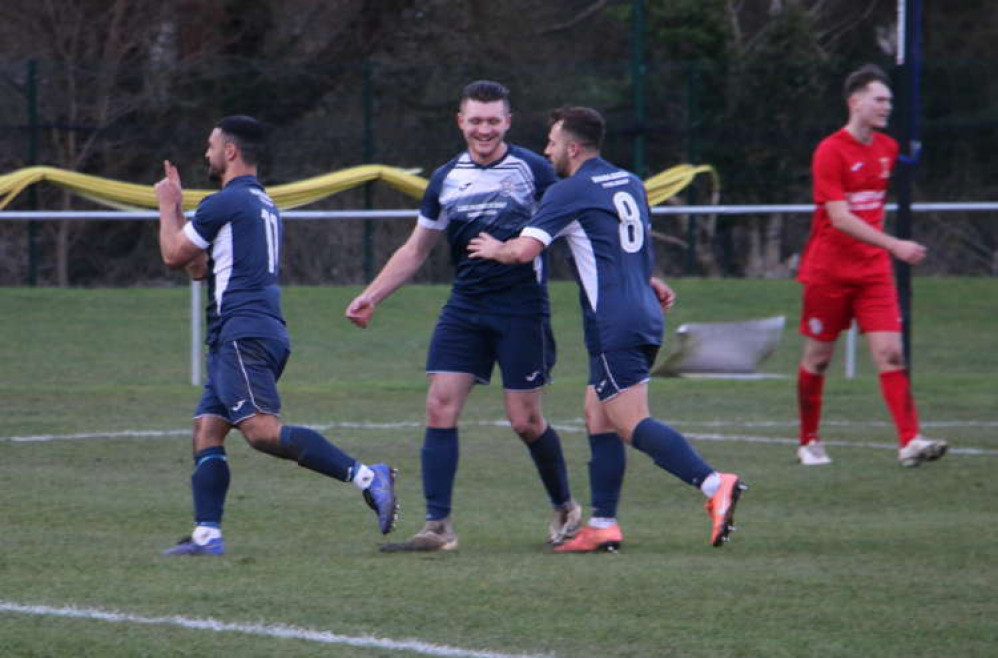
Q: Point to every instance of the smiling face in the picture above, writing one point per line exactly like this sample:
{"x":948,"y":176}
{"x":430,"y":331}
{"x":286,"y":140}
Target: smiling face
{"x":484,"y":126}
{"x":871,"y":106}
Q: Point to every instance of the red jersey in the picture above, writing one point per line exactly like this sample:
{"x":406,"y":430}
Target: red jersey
{"x":845,"y":169}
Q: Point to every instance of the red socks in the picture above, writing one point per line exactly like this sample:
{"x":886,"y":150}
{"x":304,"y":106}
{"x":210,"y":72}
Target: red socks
{"x":897,"y":394}
{"x":809,"y":390}
{"x":894,"y":386}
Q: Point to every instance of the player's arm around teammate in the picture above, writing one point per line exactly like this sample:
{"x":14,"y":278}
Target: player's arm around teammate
{"x":602,"y":212}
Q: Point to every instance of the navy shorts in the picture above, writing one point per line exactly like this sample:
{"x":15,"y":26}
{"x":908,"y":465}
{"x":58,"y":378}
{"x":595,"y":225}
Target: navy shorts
{"x":616,"y":371}
{"x":242,"y":379}
{"x":472,"y":343}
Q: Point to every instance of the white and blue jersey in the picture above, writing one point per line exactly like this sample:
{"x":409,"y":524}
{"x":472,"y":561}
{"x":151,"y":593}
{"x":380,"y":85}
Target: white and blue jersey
{"x":241,"y":229}
{"x":465,"y":198}
{"x":602,"y":212}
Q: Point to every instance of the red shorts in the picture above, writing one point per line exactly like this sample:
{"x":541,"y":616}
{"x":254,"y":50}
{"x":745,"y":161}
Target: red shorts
{"x":830,"y":308}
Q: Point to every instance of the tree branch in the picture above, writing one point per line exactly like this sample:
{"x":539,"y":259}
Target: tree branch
{"x":575,"y":20}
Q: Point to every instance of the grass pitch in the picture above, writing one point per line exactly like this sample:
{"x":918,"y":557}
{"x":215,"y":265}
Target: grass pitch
{"x":859,"y":558}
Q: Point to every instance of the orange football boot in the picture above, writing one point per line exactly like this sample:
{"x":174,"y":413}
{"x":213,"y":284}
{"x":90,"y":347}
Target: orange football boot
{"x":591,"y":540}
{"x":721,"y":507}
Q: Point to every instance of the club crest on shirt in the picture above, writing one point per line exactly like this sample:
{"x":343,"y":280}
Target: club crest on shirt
{"x":506,"y":186}
{"x":885,"y":167}
{"x":815,"y":325}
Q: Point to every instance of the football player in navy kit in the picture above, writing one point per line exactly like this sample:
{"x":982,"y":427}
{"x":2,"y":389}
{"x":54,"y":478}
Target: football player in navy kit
{"x":602,"y":212}
{"x":495,"y":313}
{"x":234,"y":240}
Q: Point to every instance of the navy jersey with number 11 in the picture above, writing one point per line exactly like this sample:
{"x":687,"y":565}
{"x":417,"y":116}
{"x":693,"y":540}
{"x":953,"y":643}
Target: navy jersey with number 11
{"x":241,"y":229}
{"x":602,"y":212}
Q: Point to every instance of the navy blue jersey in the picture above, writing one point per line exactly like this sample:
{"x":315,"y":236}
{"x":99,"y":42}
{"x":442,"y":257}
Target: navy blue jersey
{"x":602,"y":212}
{"x":465,"y":198}
{"x":241,"y":228}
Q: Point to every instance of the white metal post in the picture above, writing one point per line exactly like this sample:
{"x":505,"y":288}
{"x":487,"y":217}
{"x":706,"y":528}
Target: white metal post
{"x":197,"y":314}
{"x":851,"y":351}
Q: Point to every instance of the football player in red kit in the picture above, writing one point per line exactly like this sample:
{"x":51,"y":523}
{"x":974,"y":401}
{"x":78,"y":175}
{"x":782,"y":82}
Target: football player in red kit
{"x":846,"y":269}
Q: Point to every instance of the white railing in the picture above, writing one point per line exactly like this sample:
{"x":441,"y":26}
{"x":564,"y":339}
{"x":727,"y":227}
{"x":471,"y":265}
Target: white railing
{"x":133,"y":215}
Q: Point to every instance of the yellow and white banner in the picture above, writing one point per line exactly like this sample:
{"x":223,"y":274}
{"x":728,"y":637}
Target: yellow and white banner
{"x":132,"y":196}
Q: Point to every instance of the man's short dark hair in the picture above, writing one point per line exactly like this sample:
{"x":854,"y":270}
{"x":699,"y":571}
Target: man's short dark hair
{"x":584,"y":124}
{"x":485,"y":91}
{"x":864,"y":75}
{"x":246,"y":133}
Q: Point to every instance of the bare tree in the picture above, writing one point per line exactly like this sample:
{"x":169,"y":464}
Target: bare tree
{"x":87,"y":50}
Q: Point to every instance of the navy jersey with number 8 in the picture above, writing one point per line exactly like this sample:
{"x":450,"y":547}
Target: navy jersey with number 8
{"x":602,"y":212}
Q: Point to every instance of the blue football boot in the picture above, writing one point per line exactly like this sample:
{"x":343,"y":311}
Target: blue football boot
{"x":380,"y":496}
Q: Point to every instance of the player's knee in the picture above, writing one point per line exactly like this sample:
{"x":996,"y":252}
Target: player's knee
{"x":528,"y":428}
{"x":256,"y":442}
{"x":254,"y":436}
{"x":261,"y":435}
{"x":596,"y":419}
{"x":441,"y":411}
{"x":595,"y":422}
{"x":817,"y":363}
{"x":203,"y":440}
{"x":625,"y":431}
{"x":269,"y":445}
{"x":890,"y":359}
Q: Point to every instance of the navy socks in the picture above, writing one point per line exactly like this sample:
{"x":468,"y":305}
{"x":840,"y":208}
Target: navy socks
{"x":439,"y":460}
{"x":670,"y":451}
{"x":209,"y":484}
{"x":210,"y":480}
{"x":311,"y":450}
{"x":606,"y":473}
{"x":550,"y":461}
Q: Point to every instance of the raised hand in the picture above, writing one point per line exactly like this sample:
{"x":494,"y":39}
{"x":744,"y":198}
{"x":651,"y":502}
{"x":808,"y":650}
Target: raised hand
{"x":169,"y":191}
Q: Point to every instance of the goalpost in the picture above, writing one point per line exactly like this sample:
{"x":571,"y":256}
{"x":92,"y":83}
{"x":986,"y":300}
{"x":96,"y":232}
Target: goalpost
{"x":909,"y":64}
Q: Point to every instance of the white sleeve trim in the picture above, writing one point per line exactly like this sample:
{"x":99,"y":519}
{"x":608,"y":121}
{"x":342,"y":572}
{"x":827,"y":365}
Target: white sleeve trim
{"x":432,"y":224}
{"x":540,"y":235}
{"x":194,"y":236}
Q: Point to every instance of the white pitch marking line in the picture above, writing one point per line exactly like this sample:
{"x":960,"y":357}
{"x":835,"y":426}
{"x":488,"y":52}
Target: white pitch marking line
{"x":95,"y":435}
{"x":576,"y":426}
{"x":844,"y":444}
{"x":265,"y":630}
